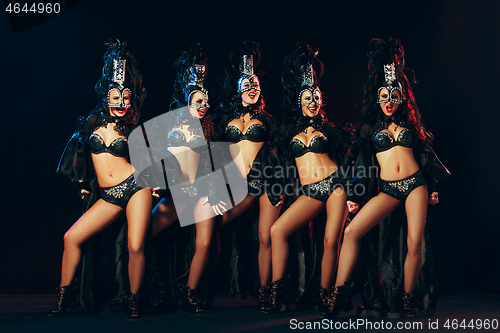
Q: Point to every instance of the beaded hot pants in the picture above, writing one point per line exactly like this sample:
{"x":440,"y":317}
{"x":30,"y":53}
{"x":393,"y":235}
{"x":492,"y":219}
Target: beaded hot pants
{"x":120,"y":194}
{"x":256,"y":186}
{"x":193,"y":192}
{"x":323,"y":189}
{"x":400,"y":189}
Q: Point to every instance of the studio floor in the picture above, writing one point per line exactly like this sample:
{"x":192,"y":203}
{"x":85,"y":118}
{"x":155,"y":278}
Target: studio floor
{"x":455,"y":312}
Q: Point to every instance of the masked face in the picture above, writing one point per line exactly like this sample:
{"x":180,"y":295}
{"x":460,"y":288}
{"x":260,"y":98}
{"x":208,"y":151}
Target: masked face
{"x":310,"y":102}
{"x":198,"y":105}
{"x":119,"y":102}
{"x":389,"y":99}
{"x":249,"y":88}
{"x":116,"y":95}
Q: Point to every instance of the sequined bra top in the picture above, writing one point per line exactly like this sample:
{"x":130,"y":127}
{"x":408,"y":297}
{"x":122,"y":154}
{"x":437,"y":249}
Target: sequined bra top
{"x":384,"y":141}
{"x":317,"y":145}
{"x":254,"y":133}
{"x":118,"y":148}
{"x":177,"y":139}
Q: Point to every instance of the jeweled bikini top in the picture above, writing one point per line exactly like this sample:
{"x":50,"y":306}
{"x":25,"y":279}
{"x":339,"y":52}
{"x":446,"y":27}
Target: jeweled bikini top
{"x":177,"y":139}
{"x":254,"y":133}
{"x":118,"y":148}
{"x":384,"y":141}
{"x":317,"y":145}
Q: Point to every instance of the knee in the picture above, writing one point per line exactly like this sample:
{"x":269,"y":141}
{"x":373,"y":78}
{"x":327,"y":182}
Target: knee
{"x":276,"y":233}
{"x":350,"y":235}
{"x":135,"y":248}
{"x":70,"y":240}
{"x":414,"y":246}
{"x":203,"y":245}
{"x":265,"y":239}
{"x":331,"y":244}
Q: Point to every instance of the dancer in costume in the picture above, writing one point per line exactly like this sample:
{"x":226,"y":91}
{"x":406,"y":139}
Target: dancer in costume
{"x":316,"y":148}
{"x":96,"y":159}
{"x":187,"y":141}
{"x":394,"y":136}
{"x":243,"y":120}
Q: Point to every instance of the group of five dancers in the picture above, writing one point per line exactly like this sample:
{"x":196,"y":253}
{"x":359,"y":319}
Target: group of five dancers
{"x":301,"y":139}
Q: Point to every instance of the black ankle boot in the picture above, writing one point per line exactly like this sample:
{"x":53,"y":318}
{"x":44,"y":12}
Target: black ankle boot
{"x":277,"y":297}
{"x":341,"y":299}
{"x":264,"y":293}
{"x":408,"y":305}
{"x":189,"y":302}
{"x":324,"y":300}
{"x":66,"y":298}
{"x":134,"y":311}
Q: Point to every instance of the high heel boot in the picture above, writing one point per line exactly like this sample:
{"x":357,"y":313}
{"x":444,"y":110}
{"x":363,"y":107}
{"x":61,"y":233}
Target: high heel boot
{"x":324,"y":300}
{"x":134,"y":311}
{"x":341,"y":299}
{"x":408,"y":305}
{"x":277,"y":297}
{"x":189,"y":302}
{"x":264,"y":293}
{"x":66,"y":298}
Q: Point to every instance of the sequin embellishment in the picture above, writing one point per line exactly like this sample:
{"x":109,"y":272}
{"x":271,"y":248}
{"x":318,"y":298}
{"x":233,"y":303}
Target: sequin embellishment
{"x":403,"y":185}
{"x":118,"y":190}
{"x":400,"y":189}
{"x":191,"y":191}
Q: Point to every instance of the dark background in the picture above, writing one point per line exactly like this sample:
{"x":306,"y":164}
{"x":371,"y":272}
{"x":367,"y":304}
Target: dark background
{"x":48,"y":72}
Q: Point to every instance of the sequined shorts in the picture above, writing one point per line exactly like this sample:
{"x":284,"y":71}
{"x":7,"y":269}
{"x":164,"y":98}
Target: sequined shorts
{"x":255,"y":186}
{"x":191,"y":193}
{"x":323,"y":189}
{"x":120,"y":194}
{"x":400,"y":189}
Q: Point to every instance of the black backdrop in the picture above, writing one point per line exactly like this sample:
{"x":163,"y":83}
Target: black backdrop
{"x":48,"y":73}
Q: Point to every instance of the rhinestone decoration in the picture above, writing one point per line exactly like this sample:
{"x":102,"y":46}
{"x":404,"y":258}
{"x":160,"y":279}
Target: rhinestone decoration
{"x":390,"y":73}
{"x":121,"y":104}
{"x":256,"y":184}
{"x":196,"y":75}
{"x":191,"y":191}
{"x":204,"y":92}
{"x":317,"y":99}
{"x":246,"y":70}
{"x":247,"y":65}
{"x":119,"y":71}
{"x":307,"y":75}
{"x":118,"y":190}
{"x":403,"y":185}
{"x":390,"y":99}
{"x":322,"y":186}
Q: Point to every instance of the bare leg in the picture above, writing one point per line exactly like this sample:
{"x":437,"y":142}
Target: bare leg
{"x":138,"y":216}
{"x":233,"y":213}
{"x":298,"y":214}
{"x":97,"y":218}
{"x":378,"y":208}
{"x":268,"y":214}
{"x":164,"y":214}
{"x":335,"y":211}
{"x":204,"y":232}
{"x":416,"y":212}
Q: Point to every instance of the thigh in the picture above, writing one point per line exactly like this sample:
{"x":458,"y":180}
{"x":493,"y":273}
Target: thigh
{"x":138,"y":216}
{"x":335,"y":212}
{"x":268,"y":214}
{"x":416,"y":212}
{"x":205,"y":230}
{"x":97,"y":218}
{"x":238,"y":209}
{"x":372,"y":213}
{"x":303,"y":210}
{"x":166,"y":209}
{"x":202,"y":212}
